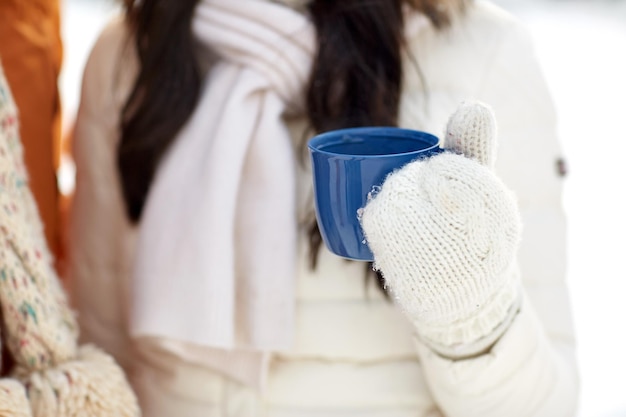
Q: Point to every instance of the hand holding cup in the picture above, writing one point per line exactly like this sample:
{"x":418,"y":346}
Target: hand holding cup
{"x":445,"y":232}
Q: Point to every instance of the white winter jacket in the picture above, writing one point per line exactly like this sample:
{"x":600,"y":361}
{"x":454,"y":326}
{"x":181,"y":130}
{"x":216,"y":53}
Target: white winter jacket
{"x":354,"y":353}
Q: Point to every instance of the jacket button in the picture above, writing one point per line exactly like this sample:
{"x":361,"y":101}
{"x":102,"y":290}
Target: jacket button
{"x":561,"y":167}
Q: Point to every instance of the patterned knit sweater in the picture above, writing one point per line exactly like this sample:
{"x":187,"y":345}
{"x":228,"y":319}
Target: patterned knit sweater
{"x":59,"y":377}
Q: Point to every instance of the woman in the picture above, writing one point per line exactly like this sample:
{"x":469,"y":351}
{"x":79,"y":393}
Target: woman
{"x":185,"y":222}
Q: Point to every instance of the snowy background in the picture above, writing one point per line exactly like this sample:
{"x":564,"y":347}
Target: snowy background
{"x":582,"y":47}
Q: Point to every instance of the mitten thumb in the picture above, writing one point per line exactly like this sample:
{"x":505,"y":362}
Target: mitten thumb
{"x":471,"y":132}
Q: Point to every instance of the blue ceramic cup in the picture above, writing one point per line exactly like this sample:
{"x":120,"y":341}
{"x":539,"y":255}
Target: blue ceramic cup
{"x":349,"y":164}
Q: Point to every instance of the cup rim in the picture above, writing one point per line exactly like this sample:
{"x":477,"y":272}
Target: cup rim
{"x":313,"y":143}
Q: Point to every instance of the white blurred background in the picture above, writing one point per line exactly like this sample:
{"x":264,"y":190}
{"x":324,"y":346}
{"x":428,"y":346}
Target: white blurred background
{"x":582,"y":47}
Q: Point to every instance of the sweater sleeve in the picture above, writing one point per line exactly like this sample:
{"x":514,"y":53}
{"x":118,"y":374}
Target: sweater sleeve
{"x":531,"y":370}
{"x":97,"y":254}
{"x":38,"y":326}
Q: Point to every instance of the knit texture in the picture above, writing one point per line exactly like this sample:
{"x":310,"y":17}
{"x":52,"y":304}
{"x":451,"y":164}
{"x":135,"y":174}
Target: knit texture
{"x":13,"y":401}
{"x":444,"y":232}
{"x":90,"y":384}
{"x":41,"y":334}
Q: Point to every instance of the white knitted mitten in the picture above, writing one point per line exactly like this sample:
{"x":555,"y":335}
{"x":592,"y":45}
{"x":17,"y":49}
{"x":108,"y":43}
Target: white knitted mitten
{"x":444,"y":232}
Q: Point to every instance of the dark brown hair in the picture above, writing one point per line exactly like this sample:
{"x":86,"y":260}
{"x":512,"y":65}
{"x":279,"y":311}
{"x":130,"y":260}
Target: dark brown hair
{"x":164,"y":95}
{"x":356,"y":78}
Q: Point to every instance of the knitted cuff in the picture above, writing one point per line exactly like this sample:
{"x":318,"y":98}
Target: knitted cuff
{"x":479,"y":330}
{"x":92,"y":384}
{"x":13,"y":400}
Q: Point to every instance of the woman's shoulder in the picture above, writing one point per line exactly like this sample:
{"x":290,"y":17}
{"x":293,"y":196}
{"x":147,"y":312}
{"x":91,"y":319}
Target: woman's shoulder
{"x":111,"y":65}
{"x":485,"y":23}
{"x":480,"y":25}
{"x":470,"y":46}
{"x":480,"y":29}
{"x":111,"y":40}
{"x":491,"y":16}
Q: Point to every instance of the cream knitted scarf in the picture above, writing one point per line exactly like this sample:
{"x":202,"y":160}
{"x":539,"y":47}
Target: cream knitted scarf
{"x":216,"y":251}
